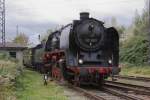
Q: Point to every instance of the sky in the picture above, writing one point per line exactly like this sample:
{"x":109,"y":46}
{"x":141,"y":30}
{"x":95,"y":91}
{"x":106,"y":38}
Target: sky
{"x":35,"y":17}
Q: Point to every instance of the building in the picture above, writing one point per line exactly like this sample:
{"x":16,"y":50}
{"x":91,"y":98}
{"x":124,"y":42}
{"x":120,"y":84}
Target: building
{"x":14,"y":50}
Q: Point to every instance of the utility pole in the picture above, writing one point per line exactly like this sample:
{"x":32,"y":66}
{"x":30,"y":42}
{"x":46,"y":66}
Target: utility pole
{"x":148,"y":3}
{"x":17,"y":30}
{"x":2,"y":21}
{"x":149,"y":15}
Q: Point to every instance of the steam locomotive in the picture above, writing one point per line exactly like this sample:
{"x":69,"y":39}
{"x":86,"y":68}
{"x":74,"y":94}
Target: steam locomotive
{"x":82,"y":52}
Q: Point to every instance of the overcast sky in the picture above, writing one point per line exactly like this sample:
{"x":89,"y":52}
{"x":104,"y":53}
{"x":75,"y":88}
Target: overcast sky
{"x":36,"y":16}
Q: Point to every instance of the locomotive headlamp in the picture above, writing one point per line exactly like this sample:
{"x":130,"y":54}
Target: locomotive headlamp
{"x":80,"y":61}
{"x":110,"y":61}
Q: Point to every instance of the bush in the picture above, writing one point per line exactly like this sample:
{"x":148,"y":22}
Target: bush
{"x":8,"y":72}
{"x":4,"y":55}
{"x":135,"y":50}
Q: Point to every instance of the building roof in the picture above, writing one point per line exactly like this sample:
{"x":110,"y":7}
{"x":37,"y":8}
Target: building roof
{"x":14,"y":46}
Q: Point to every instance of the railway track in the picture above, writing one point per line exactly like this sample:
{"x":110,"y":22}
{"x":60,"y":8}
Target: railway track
{"x":112,"y":91}
{"x":105,"y":94}
{"x":121,"y":94}
{"x":86,"y":93}
{"x":143,"y":79}
{"x":128,"y":87}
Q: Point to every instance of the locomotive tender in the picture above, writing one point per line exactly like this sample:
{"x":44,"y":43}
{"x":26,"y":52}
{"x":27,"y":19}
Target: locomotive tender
{"x":82,"y":52}
{"x":33,"y":57}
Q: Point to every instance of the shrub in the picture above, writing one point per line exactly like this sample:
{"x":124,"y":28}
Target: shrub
{"x":4,"y":55}
{"x":8,"y":72}
{"x":135,"y":50}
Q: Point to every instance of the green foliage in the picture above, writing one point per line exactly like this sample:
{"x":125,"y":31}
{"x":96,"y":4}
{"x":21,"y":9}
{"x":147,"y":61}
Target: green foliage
{"x":4,"y":55}
{"x":8,"y":73}
{"x":45,"y":36}
{"x":135,"y":50}
{"x":120,"y":28}
{"x":141,"y":23}
{"x":21,"y":39}
{"x":114,"y":22}
{"x":30,"y":87}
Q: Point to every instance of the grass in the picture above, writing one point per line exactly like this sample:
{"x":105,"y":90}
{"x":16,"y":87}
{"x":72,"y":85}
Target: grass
{"x":136,"y":71}
{"x":8,"y":68}
{"x":8,"y":73}
{"x":27,"y":85}
{"x":30,"y":87}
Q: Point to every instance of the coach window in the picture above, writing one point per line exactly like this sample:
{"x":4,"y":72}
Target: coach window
{"x":12,"y":54}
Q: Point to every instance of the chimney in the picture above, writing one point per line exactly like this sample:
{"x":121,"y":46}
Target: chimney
{"x":84,"y":15}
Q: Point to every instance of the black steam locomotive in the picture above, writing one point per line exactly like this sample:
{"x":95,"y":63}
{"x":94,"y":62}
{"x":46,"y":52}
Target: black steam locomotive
{"x":82,"y":52}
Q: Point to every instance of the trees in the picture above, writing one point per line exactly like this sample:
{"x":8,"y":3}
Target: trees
{"x":114,"y":22}
{"x":21,"y":39}
{"x":136,"y":48}
{"x":45,"y":36}
{"x":141,"y":23}
{"x":121,"y":28}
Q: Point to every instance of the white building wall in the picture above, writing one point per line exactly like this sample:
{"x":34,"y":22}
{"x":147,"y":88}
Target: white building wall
{"x":19,"y":57}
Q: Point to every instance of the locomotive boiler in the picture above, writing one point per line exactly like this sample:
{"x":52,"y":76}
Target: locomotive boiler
{"x":83,"y":51}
